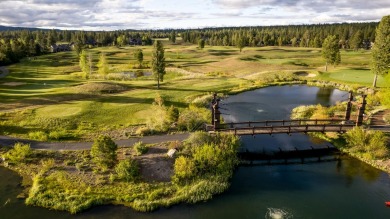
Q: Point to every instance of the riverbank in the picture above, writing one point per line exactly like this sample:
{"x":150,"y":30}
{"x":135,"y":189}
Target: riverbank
{"x":71,"y":181}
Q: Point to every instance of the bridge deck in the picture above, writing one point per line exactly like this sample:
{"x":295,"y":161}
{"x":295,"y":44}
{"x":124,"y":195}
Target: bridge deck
{"x":256,"y":130}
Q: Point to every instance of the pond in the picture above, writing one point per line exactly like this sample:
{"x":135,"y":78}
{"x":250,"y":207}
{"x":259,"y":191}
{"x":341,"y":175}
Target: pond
{"x":338,"y":189}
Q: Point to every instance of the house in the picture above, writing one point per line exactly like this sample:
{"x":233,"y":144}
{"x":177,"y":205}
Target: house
{"x":61,"y":47}
{"x":135,"y":41}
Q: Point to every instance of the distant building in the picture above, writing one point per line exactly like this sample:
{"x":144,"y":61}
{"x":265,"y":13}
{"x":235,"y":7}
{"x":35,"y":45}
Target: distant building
{"x":61,"y":47}
{"x":135,"y":41}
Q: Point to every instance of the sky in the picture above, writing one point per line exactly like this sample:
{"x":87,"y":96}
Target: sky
{"x":182,"y":14}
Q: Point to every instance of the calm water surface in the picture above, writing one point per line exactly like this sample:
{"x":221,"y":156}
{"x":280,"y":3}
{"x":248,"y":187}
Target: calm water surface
{"x":345,"y":189}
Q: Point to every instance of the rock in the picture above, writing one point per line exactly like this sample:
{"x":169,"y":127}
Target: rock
{"x":171,"y":152}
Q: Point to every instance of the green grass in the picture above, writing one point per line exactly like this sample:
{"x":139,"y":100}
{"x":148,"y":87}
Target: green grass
{"x":52,"y":83}
{"x":354,"y":75}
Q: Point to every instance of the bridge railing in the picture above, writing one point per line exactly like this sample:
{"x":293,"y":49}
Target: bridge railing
{"x":280,"y":123}
{"x":288,"y":129}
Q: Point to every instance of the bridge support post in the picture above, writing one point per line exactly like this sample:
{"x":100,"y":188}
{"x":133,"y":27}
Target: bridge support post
{"x":215,"y":113}
{"x":361,"y":109}
{"x":349,"y":107}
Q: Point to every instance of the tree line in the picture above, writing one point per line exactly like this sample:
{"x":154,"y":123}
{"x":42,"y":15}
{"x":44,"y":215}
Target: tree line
{"x":18,"y":44}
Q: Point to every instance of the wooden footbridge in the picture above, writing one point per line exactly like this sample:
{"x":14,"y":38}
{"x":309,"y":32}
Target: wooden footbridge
{"x":285,"y":126}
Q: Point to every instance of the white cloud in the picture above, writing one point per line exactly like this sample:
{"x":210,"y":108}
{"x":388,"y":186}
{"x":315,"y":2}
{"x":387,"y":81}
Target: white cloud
{"x":131,"y":14}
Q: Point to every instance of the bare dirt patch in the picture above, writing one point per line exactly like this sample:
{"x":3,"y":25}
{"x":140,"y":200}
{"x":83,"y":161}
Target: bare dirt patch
{"x":14,"y":84}
{"x":155,"y":165}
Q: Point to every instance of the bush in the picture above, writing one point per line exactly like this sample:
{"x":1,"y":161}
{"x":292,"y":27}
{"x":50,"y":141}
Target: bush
{"x":103,"y":152}
{"x":184,"y":169}
{"x":199,"y":138}
{"x":57,"y":135}
{"x":172,"y":114}
{"x":143,"y":130}
{"x":19,"y":153}
{"x":39,"y":136}
{"x":384,"y":96}
{"x":192,"y":118}
{"x":371,"y":144}
{"x":127,"y":170}
{"x":140,"y":148}
{"x":302,"y":112}
{"x":139,"y":73}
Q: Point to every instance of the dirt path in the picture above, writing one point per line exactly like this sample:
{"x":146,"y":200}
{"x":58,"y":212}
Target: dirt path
{"x":378,"y":118}
{"x":59,"y":146}
{"x":4,"y":71}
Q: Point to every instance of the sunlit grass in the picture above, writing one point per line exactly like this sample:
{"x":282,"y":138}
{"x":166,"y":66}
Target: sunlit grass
{"x":53,"y":84}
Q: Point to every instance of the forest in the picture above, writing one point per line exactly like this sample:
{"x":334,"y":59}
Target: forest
{"x":18,"y":44}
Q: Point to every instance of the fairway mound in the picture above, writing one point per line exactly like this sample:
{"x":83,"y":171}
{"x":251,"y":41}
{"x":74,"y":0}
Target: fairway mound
{"x":99,"y":88}
{"x":14,"y":84}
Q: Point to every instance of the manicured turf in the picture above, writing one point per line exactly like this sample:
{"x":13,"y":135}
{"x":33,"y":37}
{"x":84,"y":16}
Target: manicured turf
{"x":53,"y":82}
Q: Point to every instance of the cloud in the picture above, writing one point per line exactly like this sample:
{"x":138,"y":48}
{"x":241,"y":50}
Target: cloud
{"x":144,"y":14}
{"x":241,"y":4}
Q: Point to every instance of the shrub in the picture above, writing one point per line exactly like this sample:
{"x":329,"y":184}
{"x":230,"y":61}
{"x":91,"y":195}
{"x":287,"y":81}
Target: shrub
{"x":371,"y":143}
{"x":140,"y":148}
{"x":18,"y":153}
{"x":175,"y":145}
{"x":57,"y":135}
{"x":143,"y":130}
{"x":39,"y":136}
{"x":139,"y":73}
{"x":172,"y":114}
{"x":127,"y":170}
{"x":384,"y":96}
{"x":192,"y":118}
{"x":184,"y":169}
{"x":199,"y":138}
{"x":321,"y":112}
{"x":103,"y":152}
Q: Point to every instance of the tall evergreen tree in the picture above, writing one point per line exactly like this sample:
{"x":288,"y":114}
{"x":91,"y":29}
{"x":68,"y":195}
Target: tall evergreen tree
{"x":331,"y":51}
{"x":158,"y":62}
{"x":241,"y":42}
{"x":201,"y":43}
{"x":380,"y":64}
{"x":172,"y":37}
{"x":356,"y":40}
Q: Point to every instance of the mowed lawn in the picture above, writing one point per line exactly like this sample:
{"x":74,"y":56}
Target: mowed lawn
{"x":53,"y":91}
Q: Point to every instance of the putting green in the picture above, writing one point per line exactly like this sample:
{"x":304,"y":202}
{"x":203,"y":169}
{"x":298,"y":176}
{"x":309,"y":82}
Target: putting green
{"x":61,"y":110}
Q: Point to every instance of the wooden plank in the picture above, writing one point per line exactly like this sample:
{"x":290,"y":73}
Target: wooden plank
{"x":287,"y":129}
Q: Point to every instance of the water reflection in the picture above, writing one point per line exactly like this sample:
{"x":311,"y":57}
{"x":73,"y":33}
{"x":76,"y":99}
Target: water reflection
{"x":349,"y":188}
{"x":324,"y":95}
{"x":352,"y":168}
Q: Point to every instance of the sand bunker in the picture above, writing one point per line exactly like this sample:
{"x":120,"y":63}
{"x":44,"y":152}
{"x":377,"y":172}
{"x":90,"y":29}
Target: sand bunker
{"x":305,"y":74}
{"x":13,"y":84}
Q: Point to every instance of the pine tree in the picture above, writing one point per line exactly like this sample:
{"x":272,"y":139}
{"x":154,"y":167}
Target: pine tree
{"x":380,"y":64}
{"x":172,"y":37}
{"x":241,"y":42}
{"x":357,"y":40}
{"x":331,"y":51}
{"x":201,"y":43}
{"x":158,"y":62}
